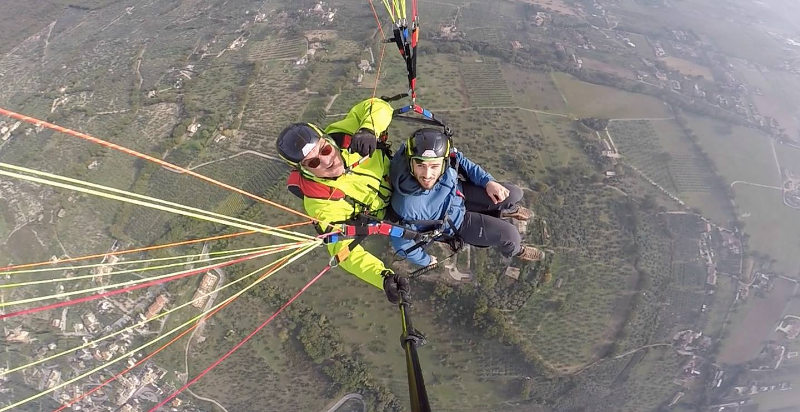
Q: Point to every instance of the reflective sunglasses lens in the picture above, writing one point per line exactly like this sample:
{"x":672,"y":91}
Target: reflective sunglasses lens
{"x":313,"y":163}
{"x":326,"y":150}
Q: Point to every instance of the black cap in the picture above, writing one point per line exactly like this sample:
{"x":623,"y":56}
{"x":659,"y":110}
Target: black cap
{"x":296,"y":140}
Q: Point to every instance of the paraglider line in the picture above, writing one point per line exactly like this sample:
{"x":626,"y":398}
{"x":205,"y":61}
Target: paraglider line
{"x":158,"y":316}
{"x":377,"y":20}
{"x":147,"y":201}
{"x":41,"y":123}
{"x":243,"y":341}
{"x":123,"y":290}
{"x":146,"y":248}
{"x":294,"y":256}
{"x":218,"y":256}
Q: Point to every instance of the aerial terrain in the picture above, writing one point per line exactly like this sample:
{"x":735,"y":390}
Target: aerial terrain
{"x":657,"y":142}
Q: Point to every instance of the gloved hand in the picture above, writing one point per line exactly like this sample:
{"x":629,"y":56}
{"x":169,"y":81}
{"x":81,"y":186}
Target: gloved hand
{"x":364,"y":142}
{"x":394,"y":285}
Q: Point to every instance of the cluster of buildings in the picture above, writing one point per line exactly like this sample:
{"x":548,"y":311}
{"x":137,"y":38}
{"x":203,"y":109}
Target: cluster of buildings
{"x":690,"y":372}
{"x":689,"y":342}
{"x":7,"y":128}
{"x":127,"y":393}
{"x":320,"y":11}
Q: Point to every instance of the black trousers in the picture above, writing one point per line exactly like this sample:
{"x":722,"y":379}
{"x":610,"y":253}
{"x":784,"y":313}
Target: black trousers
{"x":482,"y":225}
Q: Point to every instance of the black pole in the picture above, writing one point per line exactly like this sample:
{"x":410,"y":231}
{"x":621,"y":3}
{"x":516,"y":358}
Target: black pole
{"x":410,"y":339}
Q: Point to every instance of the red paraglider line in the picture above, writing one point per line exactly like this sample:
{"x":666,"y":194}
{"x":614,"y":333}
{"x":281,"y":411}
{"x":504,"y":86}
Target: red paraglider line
{"x":129,"y":288}
{"x":164,"y":346}
{"x":242,"y":342}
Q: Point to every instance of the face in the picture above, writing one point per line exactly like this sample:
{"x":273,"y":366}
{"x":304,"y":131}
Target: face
{"x":427,"y":172}
{"x":324,"y":160}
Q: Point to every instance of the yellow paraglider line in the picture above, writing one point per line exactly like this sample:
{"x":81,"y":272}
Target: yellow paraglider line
{"x":298,"y":254}
{"x":227,"y":255}
{"x":139,"y":324}
{"x":150,"y":202}
{"x":135,"y":281}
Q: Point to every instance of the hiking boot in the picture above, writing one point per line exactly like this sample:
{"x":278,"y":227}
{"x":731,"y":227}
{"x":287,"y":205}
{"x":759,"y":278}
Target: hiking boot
{"x":520,"y":213}
{"x":530,"y":253}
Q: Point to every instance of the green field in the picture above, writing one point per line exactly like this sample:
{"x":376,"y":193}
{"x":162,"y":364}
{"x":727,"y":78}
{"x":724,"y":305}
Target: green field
{"x":662,"y":151}
{"x":730,"y":147}
{"x":591,"y":100}
{"x":533,"y":90}
{"x":773,"y":228}
{"x":777,"y":96}
{"x":277,"y":48}
{"x":484,"y":83}
{"x":789,"y":157}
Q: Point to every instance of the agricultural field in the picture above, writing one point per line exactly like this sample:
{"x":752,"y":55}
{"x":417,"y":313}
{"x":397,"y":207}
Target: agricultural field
{"x":574,"y":324}
{"x":272,"y":104}
{"x":484,"y":83}
{"x":533,"y":90}
{"x":776,"y":94}
{"x":754,"y":320}
{"x":773,"y":228}
{"x":662,"y":152}
{"x":688,"y":68}
{"x":641,"y":145}
{"x":591,"y":100}
{"x":560,"y":148}
{"x":276,"y":48}
{"x":643,"y":47}
{"x":724,"y":296}
{"x":650,"y":382}
{"x":474,"y":17}
{"x":789,"y":158}
{"x":598,"y":64}
{"x":729,"y":147}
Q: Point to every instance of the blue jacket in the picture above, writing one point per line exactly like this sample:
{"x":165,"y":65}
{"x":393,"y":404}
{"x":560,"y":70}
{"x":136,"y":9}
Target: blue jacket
{"x":411,"y":202}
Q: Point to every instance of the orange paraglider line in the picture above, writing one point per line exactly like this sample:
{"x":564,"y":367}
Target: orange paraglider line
{"x":84,"y":136}
{"x":144,"y":249}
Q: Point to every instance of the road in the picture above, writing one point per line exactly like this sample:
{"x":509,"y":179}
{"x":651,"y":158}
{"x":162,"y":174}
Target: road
{"x":201,"y":323}
{"x":346,"y":398}
{"x":755,"y":184}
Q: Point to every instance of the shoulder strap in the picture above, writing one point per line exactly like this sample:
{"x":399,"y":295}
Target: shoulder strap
{"x":303,"y":187}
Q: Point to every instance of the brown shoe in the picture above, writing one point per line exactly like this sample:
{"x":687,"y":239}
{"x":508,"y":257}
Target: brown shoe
{"x":520,"y":213}
{"x":530,"y":253}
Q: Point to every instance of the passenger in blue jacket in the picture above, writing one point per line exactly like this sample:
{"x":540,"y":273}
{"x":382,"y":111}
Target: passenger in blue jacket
{"x":428,"y":194}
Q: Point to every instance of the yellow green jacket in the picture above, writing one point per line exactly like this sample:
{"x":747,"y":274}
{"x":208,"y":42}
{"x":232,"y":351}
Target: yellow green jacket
{"x":373,"y":114}
{"x":367,"y":184}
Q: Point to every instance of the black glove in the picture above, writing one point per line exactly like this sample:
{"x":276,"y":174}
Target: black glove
{"x":394,"y":285}
{"x":364,"y":142}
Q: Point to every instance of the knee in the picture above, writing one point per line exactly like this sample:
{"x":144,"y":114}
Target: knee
{"x":514,"y":193}
{"x":513,"y":241}
{"x":511,"y":234}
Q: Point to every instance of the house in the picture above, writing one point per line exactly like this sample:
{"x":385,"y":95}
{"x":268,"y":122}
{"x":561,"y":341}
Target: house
{"x":711,"y":275}
{"x":513,"y":273}
{"x":156,"y":307}
{"x":790,"y":326}
{"x":208,"y":284}
{"x":17,"y":335}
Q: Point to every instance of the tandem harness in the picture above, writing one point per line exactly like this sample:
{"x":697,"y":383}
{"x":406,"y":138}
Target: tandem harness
{"x":365,"y":225}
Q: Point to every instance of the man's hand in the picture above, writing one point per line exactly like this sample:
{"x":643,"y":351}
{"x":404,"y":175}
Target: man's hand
{"x":497,"y":192}
{"x":395,"y":285}
{"x":364,"y":142}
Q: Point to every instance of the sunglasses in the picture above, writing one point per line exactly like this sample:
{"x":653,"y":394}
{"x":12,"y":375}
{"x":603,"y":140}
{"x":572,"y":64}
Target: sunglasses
{"x":314,"y":162}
